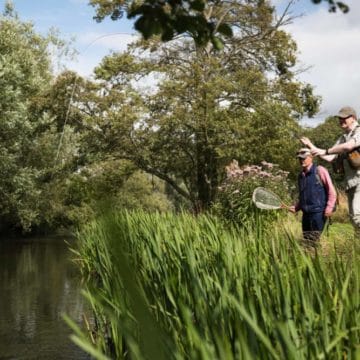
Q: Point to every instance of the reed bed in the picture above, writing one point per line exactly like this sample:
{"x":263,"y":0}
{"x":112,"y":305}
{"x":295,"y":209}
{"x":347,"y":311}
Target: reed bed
{"x":165,"y":286}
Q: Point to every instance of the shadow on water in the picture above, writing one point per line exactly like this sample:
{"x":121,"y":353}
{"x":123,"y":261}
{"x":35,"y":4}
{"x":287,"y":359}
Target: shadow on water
{"x":38,"y":283}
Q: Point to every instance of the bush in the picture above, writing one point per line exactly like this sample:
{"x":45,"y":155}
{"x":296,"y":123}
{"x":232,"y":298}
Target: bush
{"x":234,"y":200}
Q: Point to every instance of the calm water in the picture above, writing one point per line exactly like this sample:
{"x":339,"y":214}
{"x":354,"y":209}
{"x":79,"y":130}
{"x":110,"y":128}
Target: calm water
{"x":38,"y":283}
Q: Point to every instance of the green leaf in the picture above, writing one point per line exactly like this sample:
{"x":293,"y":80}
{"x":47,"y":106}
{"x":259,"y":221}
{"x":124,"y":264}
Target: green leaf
{"x":217,"y":43}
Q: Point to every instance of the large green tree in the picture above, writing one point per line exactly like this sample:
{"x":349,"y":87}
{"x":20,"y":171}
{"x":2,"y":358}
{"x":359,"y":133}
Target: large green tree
{"x":25,"y":72}
{"x":78,"y":177}
{"x":52,"y":174}
{"x":205,"y":106}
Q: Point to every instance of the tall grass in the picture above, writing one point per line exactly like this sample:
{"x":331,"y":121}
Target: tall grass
{"x":176,"y":286}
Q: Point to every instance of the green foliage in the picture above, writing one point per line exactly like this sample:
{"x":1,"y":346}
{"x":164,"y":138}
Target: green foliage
{"x":24,"y":74}
{"x":142,"y":191}
{"x":166,"y":19}
{"x":270,"y":135}
{"x":176,"y":287}
{"x":72,"y":200}
{"x":234,"y":200}
{"x":118,"y":185}
{"x":170,"y":18}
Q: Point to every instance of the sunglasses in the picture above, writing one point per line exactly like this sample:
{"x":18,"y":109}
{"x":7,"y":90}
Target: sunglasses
{"x":342,"y":120}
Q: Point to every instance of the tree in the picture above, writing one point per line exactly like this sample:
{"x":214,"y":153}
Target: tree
{"x":169,"y":18}
{"x":25,"y":72}
{"x":52,"y":173}
{"x":202,"y":111}
{"x":78,"y":180}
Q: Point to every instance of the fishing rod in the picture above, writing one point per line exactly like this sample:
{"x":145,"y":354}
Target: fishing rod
{"x":74,"y":84}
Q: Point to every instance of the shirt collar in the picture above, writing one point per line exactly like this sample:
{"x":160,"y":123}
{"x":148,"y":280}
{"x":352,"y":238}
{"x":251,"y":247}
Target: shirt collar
{"x":308,"y":169}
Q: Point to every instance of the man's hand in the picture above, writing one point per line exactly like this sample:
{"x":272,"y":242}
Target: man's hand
{"x":292,"y":209}
{"x":306,"y":141}
{"x":328,"y":214}
{"x":315,"y":151}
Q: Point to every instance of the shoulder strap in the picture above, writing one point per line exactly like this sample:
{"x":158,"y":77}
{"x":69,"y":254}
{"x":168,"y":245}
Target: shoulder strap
{"x":318,"y":177}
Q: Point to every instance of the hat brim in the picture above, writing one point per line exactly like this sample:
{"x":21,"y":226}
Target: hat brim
{"x":304,"y":156}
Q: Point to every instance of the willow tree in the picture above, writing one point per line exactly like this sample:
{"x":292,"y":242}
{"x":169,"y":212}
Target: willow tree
{"x":25,"y":70}
{"x":26,"y":74}
{"x":204,"y":106}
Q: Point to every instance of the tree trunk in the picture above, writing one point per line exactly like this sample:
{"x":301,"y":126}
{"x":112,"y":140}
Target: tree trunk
{"x":207,"y":179}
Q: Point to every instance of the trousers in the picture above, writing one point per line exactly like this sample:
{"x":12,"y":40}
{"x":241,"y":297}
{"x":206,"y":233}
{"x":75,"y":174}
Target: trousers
{"x":353,"y":195}
{"x":313,"y":225}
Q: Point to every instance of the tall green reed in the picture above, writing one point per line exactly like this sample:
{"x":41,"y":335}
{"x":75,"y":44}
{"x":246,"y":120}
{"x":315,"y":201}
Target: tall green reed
{"x":178,"y":286}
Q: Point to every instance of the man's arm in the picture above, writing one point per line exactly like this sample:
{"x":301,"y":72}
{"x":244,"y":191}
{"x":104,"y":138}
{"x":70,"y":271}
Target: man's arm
{"x":330,"y":153}
{"x":336,"y":149}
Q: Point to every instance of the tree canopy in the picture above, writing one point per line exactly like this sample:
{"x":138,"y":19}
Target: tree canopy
{"x":169,"y":18}
{"x":44,"y":182}
{"x":25,"y":72}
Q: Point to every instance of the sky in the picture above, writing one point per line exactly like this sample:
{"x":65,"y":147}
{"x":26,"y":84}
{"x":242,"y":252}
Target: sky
{"x":74,"y":19}
{"x":328,"y":44}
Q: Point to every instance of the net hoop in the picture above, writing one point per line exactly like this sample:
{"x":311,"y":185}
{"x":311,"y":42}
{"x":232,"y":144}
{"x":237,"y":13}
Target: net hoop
{"x":266,"y":200}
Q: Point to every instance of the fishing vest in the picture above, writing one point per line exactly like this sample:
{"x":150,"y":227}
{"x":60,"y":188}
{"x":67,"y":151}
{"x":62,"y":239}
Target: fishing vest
{"x":312,"y":193}
{"x":352,"y":176}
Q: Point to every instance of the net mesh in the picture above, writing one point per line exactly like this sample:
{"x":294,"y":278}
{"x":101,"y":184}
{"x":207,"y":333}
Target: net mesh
{"x":265,"y":199}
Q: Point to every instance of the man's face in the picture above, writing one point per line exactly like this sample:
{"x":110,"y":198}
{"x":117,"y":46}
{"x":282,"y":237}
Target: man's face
{"x":346,"y":123}
{"x":305,"y":163}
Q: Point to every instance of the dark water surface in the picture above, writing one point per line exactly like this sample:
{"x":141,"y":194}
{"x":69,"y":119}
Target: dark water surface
{"x":38,"y":284}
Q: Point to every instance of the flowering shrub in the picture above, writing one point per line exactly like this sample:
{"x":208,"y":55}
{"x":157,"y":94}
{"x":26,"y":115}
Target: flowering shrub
{"x":234,"y":200}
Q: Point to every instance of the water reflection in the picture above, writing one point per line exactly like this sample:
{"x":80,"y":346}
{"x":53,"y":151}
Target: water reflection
{"x":38,"y":283}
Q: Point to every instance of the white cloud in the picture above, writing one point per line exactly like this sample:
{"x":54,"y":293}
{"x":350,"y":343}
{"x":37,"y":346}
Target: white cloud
{"x":329,"y":43}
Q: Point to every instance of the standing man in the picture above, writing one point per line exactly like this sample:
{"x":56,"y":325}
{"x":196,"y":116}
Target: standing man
{"x":317,"y":197}
{"x":345,"y":144}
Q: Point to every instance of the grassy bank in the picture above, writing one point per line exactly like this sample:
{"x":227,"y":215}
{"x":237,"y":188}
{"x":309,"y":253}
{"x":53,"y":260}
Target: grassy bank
{"x":175,"y":286}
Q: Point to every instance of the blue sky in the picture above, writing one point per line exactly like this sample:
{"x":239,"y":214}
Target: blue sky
{"x":328,"y":44}
{"x":74,"y":19}
{"x":71,"y":16}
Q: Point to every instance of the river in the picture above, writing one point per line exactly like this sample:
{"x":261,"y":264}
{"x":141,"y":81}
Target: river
{"x":38,"y":284}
